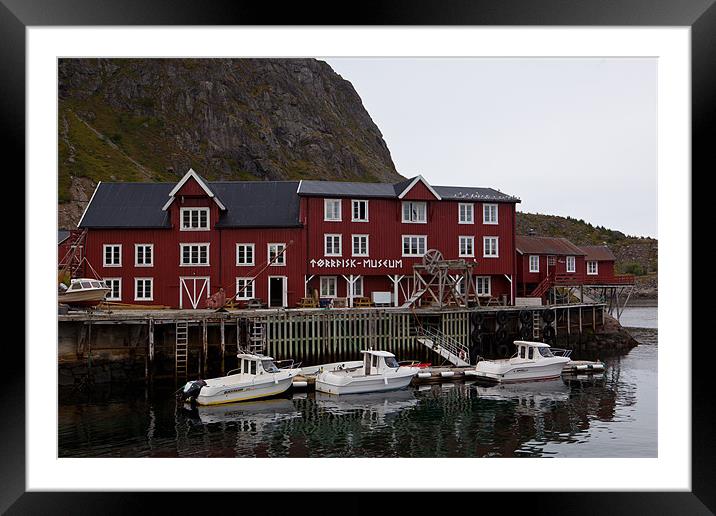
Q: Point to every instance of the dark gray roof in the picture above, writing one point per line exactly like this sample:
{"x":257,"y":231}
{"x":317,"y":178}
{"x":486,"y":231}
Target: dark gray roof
{"x":389,"y":190}
{"x":248,"y":204}
{"x":258,"y":203}
{"x":128,"y":205}
{"x":62,"y":235}
{"x":468,"y":193}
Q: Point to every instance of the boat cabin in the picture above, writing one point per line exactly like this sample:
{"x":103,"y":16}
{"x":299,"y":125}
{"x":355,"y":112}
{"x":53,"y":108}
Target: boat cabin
{"x":254,"y":365}
{"x":378,"y":362}
{"x":85,"y":284}
{"x":532,"y":351}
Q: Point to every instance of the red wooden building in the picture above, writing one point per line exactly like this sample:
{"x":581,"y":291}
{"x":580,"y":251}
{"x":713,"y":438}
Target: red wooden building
{"x":175,"y":244}
{"x":543,"y":260}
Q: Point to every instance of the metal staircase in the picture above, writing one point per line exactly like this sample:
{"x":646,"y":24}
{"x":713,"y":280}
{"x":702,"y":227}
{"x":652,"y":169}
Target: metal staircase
{"x":447,"y":347}
{"x":181,"y":349}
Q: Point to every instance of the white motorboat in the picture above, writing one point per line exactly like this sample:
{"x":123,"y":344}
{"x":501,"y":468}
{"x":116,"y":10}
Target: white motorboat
{"x":533,"y":361}
{"x":378,"y":372}
{"x":256,"y":377}
{"x":82,"y":292}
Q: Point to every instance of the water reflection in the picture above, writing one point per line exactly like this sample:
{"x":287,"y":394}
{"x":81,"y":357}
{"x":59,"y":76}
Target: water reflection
{"x":444,"y":420}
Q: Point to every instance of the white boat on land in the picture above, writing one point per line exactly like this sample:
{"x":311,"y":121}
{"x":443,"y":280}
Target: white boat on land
{"x":533,"y":361}
{"x":256,"y":377}
{"x":82,"y":292}
{"x":378,"y":372}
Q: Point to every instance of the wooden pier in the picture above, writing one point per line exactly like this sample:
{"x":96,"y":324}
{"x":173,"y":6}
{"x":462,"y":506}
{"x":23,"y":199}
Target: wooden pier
{"x":180,"y":344}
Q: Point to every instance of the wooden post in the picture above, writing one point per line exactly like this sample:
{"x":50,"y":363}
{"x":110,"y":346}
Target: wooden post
{"x":149,"y":364}
{"x":223,"y":344}
{"x":205,"y":345}
{"x":594,"y":318}
{"x":569,"y":329}
{"x":580,"y":320}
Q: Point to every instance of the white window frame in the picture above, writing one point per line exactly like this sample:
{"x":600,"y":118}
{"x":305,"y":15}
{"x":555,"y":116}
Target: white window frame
{"x":151,"y":289}
{"x":332,"y":236}
{"x":104,"y":255}
{"x":484,"y":247}
{"x":486,"y":209}
{"x":534,"y":258}
{"x":253,"y":254}
{"x":551,"y":260}
{"x":193,"y":244}
{"x":353,"y":210}
{"x":573,"y":261}
{"x":466,"y":238}
{"x":335,"y":286}
{"x":596,"y":267}
{"x":136,"y":255}
{"x":119,"y":289}
{"x":424,"y":204}
{"x":325,"y":210}
{"x":242,"y":295}
{"x":471,"y":212}
{"x":402,"y":245}
{"x":197,"y":209}
{"x":489,"y":285}
{"x":353,"y":245}
{"x":281,"y":263}
{"x":356,"y":291}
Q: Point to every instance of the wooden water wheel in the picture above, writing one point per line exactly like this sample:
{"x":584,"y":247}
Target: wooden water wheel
{"x":431,"y":260}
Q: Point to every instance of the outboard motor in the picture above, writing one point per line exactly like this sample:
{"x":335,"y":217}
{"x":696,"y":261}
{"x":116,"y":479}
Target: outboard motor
{"x":191,"y":390}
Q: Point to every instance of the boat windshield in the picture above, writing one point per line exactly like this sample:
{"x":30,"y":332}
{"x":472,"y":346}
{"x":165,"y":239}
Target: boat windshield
{"x":86,"y":284}
{"x":391,"y":362}
{"x":545,"y":352}
{"x":269,"y":366}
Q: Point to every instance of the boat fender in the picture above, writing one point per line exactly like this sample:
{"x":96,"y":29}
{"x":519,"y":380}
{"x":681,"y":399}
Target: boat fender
{"x":385,"y":380}
{"x":300,"y":384}
{"x":548,"y":316}
{"x":501,"y":317}
{"x":525,"y":316}
{"x":447,"y":374}
{"x":424,"y":375}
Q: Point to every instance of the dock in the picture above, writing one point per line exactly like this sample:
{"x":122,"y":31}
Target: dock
{"x":149,"y":345}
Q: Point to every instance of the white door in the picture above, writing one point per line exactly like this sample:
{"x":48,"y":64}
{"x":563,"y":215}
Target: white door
{"x":192,"y":290}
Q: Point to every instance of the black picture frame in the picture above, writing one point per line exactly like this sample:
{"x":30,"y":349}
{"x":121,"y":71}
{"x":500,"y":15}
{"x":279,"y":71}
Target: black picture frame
{"x":17,"y":15}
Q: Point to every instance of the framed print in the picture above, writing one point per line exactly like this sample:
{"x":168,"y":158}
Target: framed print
{"x":420,"y":242}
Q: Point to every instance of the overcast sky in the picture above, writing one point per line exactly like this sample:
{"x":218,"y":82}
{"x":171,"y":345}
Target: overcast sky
{"x":568,"y":136}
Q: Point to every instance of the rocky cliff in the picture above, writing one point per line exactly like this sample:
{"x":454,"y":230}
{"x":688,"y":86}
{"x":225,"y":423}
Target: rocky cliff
{"x":229,"y":119}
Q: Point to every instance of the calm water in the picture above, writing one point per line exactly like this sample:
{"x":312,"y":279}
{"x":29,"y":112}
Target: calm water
{"x":614,"y":417}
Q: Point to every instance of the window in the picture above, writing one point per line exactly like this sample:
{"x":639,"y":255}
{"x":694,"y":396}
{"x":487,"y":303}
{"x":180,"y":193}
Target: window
{"x":115,"y":289}
{"x":194,"y":219}
{"x":194,"y":254}
{"x":143,"y":255}
{"x":489,"y":213}
{"x":414,"y":245}
{"x":460,"y":286}
{"x":592,"y":268}
{"x":360,"y":211}
{"x":245,"y":254}
{"x":332,"y":245}
{"x":465,"y":213}
{"x":483,"y":286}
{"x":490,"y":247}
{"x":571,"y":264}
{"x":414,"y":212}
{"x":277,"y":254}
{"x":113,"y":255}
{"x":534,"y":263}
{"x":329,"y":286}
{"x":360,"y":245}
{"x":332,"y":210}
{"x":551,"y":260}
{"x":530,"y":352}
{"x":358,"y":287}
{"x":467,"y":246}
{"x":143,"y":289}
{"x":245,"y":288}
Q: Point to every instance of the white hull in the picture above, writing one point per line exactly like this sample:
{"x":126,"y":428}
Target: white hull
{"x":505,"y":372}
{"x":333,"y":383}
{"x":218,"y":392}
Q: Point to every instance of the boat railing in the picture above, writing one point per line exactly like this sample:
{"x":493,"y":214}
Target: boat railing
{"x":561,"y":352}
{"x":290,"y":364}
{"x":446,"y":342}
